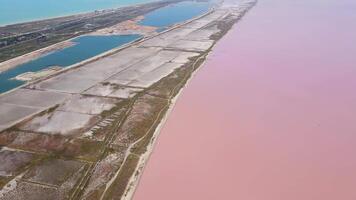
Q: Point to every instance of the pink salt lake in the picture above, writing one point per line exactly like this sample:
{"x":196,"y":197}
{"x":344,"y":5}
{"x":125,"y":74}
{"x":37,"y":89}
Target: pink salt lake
{"x":270,"y":116}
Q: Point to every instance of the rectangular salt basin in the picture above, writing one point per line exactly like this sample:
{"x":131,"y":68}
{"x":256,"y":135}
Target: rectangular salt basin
{"x":154,"y":76}
{"x":113,"y":90}
{"x":33,"y":98}
{"x":143,"y":67}
{"x":88,"y":104}
{"x":10,"y":114}
{"x":167,"y":38}
{"x":59,"y":122}
{"x":190,"y":45}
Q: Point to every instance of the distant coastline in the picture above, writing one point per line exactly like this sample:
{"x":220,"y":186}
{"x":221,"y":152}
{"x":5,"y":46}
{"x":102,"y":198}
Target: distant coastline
{"x":5,"y":21}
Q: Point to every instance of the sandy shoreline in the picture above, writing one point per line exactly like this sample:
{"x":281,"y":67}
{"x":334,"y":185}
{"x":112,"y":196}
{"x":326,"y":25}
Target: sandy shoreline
{"x":143,"y":160}
{"x":276,"y":126}
{"x":135,"y":179}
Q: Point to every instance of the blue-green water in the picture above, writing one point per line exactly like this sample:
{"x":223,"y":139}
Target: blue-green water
{"x":175,"y":13}
{"x":15,"y":11}
{"x":85,"y":47}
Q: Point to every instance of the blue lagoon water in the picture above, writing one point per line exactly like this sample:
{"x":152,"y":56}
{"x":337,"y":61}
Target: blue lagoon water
{"x":15,"y":11}
{"x":175,"y":13}
{"x":85,"y":47}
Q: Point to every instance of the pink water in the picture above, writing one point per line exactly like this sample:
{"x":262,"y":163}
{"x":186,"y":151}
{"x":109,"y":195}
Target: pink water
{"x":270,"y":116}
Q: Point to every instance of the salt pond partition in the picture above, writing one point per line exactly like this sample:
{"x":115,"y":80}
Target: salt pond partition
{"x":85,"y":47}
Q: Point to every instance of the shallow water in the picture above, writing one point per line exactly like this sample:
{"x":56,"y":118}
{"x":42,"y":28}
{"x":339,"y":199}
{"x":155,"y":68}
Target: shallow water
{"x":85,"y":47}
{"x":14,"y":11}
{"x":271,"y":114}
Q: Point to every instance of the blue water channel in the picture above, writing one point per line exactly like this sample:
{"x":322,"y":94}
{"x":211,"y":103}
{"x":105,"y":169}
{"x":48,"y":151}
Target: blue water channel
{"x":84,"y":48}
{"x":88,"y":46}
{"x":175,"y":13}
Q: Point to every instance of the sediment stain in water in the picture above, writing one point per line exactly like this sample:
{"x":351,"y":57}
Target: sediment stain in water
{"x":271,"y":114}
{"x":85,"y":47}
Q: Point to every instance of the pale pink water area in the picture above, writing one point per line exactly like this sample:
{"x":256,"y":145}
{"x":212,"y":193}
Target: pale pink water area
{"x":271,"y":115}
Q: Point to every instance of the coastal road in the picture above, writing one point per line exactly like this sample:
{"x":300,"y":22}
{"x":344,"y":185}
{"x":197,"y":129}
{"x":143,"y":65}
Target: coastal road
{"x":271,"y":114}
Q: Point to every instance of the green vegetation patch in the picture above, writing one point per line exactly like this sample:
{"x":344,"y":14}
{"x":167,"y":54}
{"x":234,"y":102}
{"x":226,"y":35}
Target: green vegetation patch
{"x":118,"y":187}
{"x":141,"y":147}
{"x":14,"y":163}
{"x":7,"y":137}
{"x":224,"y":26}
{"x":36,"y":142}
{"x":4,"y":180}
{"x":95,"y":195}
{"x":53,"y":171}
{"x":144,"y":112}
{"x":84,"y":149}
